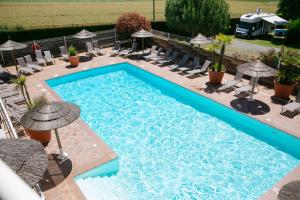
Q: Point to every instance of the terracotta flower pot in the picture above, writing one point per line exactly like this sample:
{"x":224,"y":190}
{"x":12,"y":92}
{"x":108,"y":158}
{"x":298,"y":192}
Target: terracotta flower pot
{"x":283,"y":91}
{"x":74,"y":60}
{"x":215,"y":77}
{"x":43,"y":137}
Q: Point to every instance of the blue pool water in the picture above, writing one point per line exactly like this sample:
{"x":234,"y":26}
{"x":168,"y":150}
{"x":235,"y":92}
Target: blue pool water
{"x":171,"y":142}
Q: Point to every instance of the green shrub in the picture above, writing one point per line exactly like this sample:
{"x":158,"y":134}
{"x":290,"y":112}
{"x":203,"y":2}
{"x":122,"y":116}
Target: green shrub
{"x":270,"y":58}
{"x":209,"y":17}
{"x":293,"y":34}
{"x":129,"y":23}
{"x":72,"y":51}
{"x":289,"y":9}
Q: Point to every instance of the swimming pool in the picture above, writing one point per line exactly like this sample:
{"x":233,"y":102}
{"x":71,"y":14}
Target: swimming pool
{"x":171,"y":142}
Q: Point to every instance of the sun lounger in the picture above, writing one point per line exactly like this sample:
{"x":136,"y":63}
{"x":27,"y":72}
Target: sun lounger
{"x":31,"y":64}
{"x":16,"y":111}
{"x":63,"y":53}
{"x":292,"y":106}
{"x":2,"y":70}
{"x":201,"y":70}
{"x":154,"y":54}
{"x":194,"y":65}
{"x":7,"y":94}
{"x":49,"y":57}
{"x":231,"y":83}
{"x":163,"y":56}
{"x":98,"y":48}
{"x":40,"y":58}
{"x":181,"y":63}
{"x":23,"y":68}
{"x":127,"y":52}
{"x":171,"y":59}
{"x":116,"y":49}
{"x":90,"y":50}
{"x":246,"y":89}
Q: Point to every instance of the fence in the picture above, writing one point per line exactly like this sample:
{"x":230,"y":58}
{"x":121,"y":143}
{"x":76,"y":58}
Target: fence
{"x":105,"y":38}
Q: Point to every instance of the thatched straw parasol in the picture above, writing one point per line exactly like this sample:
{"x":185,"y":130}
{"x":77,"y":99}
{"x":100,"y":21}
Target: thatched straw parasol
{"x":51,"y":116}
{"x":142,"y":34}
{"x":27,"y":158}
{"x":200,"y":39}
{"x":290,"y":191}
{"x":256,"y":69}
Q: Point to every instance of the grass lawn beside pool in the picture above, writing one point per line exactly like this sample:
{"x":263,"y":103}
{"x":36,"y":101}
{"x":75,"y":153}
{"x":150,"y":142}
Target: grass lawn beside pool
{"x":39,"y":13}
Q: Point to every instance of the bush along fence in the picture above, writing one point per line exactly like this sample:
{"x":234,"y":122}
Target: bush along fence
{"x":105,"y":38}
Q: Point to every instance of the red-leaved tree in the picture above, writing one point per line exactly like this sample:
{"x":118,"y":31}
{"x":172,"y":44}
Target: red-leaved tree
{"x":129,"y":23}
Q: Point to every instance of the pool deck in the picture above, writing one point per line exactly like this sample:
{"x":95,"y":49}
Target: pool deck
{"x":86,"y":150}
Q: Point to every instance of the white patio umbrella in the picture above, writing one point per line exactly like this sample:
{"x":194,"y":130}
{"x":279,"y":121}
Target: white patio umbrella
{"x":142,"y":34}
{"x":200,"y":39}
{"x":84,"y":34}
{"x":256,"y":69}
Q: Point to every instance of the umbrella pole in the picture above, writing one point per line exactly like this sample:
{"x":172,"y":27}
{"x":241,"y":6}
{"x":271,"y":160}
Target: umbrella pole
{"x":143,"y":45}
{"x":65,"y":42}
{"x":61,"y":155}
{"x":199,"y":50}
{"x":14,"y":58}
{"x":252,"y":90}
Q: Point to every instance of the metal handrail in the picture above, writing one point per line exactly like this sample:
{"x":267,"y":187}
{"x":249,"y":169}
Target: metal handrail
{"x":7,"y":122}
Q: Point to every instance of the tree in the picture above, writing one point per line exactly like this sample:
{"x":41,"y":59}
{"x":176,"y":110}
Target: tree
{"x":209,"y":17}
{"x":289,"y":9}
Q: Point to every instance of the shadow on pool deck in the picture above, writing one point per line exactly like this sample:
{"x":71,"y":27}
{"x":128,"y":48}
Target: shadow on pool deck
{"x":254,"y":107}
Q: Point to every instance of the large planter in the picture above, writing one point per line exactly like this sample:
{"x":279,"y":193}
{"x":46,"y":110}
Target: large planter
{"x":215,"y":77}
{"x":74,"y":60}
{"x":283,"y":91}
{"x":43,"y":137}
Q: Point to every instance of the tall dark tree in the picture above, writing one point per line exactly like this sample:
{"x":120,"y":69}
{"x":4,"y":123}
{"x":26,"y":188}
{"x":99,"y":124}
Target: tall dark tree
{"x":289,"y":9}
{"x":209,"y":17}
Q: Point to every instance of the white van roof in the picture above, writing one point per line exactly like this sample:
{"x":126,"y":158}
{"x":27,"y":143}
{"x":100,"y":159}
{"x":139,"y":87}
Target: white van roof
{"x":271,"y":18}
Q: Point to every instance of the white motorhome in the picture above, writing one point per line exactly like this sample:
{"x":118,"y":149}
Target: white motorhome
{"x":256,"y":24}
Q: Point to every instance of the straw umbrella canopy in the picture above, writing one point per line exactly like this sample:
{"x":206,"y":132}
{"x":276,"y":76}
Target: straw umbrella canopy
{"x":51,"y":116}
{"x":290,"y":191}
{"x":256,"y":69}
{"x":200,"y":39}
{"x":142,"y":34}
{"x":10,"y":45}
{"x":27,"y":158}
{"x":84,"y":34}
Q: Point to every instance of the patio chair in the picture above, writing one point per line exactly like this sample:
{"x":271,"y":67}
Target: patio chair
{"x":246,"y":89}
{"x":2,"y":70}
{"x":63,"y":53}
{"x":90,"y":50}
{"x":8,"y":93}
{"x":181,"y":63}
{"x":23,"y":68}
{"x":97,"y":48}
{"x":35,"y":66}
{"x":49,"y":57}
{"x":195,"y":65}
{"x":116,"y":49}
{"x":127,"y":52}
{"x":16,"y":111}
{"x":163,"y":56}
{"x":238,"y":78}
{"x":292,"y":106}
{"x":40,"y":58}
{"x":171,"y":59}
{"x":154,"y":54}
{"x":201,"y":70}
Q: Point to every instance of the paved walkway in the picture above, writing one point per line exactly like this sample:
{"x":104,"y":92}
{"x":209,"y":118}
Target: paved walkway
{"x":86,"y":150}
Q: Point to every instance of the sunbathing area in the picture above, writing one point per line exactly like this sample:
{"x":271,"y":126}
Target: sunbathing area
{"x":137,"y":113}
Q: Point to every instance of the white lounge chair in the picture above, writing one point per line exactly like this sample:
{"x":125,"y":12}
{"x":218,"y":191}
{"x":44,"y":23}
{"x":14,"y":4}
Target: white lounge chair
{"x":23,"y":68}
{"x":90,"y":50}
{"x":154,"y":54}
{"x":163,"y":56}
{"x":40,"y":58}
{"x":97,"y":48}
{"x":171,"y":59}
{"x":63,"y":53}
{"x":231,"y":83}
{"x":116,"y":49}
{"x":49,"y":57}
{"x":194,"y":65}
{"x":201,"y":70}
{"x":127,"y":52}
{"x":34,"y":65}
{"x":292,"y":106}
{"x":247,"y":89}
{"x":181,"y":63}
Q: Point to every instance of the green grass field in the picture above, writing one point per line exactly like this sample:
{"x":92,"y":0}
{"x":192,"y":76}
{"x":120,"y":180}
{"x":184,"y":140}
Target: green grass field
{"x":55,"y":13}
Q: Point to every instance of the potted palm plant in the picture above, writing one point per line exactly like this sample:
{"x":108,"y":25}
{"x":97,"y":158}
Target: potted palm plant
{"x":74,"y":59}
{"x":42,"y":136}
{"x":288,"y":74}
{"x":217,"y":70}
